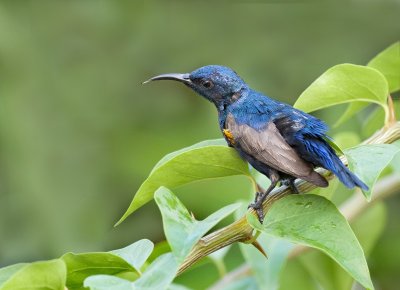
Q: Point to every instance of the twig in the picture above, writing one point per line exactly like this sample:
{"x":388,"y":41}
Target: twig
{"x":392,"y":113}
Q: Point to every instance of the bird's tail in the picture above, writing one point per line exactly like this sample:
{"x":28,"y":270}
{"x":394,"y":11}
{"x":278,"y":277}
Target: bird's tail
{"x":347,"y":177}
{"x":332,"y":162}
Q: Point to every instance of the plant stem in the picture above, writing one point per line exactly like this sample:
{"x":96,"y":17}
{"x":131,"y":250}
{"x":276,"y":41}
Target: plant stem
{"x":220,"y":267}
{"x":241,"y":231}
{"x":391,"y":114}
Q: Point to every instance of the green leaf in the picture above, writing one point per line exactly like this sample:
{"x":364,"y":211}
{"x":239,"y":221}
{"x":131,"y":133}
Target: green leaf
{"x":334,"y":145}
{"x":300,"y":278}
{"x":177,"y":287}
{"x":246,"y":283}
{"x":7,"y":272}
{"x":136,"y":254}
{"x":368,"y":236}
{"x":314,"y":221}
{"x":327,"y":192}
{"x":267,"y":271}
{"x":44,"y":275}
{"x":81,"y":266}
{"x":168,"y":157}
{"x":180,"y":227}
{"x":326,"y":271}
{"x":347,"y":139}
{"x":217,"y":258}
{"x":395,"y":164}
{"x":388,"y":63}
{"x":362,"y":157}
{"x":351,"y":110}
{"x":344,"y":83}
{"x":107,"y":282}
{"x":159,"y":275}
{"x":160,"y":248}
{"x":201,"y":161}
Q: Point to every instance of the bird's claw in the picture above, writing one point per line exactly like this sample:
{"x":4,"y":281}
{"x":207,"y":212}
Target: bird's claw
{"x":291,"y":184}
{"x":257,"y":206}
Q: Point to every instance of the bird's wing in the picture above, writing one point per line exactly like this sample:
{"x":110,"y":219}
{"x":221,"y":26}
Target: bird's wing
{"x":292,"y":123}
{"x":269,"y":147}
{"x":307,"y":135}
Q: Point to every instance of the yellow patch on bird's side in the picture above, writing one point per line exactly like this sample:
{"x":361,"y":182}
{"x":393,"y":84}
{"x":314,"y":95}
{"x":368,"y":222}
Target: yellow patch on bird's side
{"x":228,"y":135}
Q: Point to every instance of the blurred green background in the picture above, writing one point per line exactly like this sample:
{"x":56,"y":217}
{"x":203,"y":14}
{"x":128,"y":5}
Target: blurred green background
{"x":79,"y":133}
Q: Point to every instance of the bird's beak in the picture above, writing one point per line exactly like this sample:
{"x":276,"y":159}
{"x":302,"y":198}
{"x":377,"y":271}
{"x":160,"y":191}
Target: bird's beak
{"x":184,"y":78}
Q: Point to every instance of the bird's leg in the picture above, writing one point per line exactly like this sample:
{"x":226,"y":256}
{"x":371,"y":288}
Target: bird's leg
{"x":260,"y":197}
{"x":290,"y":183}
{"x":257,"y":196}
{"x":293,"y":186}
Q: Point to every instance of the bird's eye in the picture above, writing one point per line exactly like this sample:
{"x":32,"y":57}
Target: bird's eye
{"x":207,"y":84}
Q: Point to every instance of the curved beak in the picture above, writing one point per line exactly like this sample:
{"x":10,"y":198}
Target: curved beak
{"x":184,"y":78}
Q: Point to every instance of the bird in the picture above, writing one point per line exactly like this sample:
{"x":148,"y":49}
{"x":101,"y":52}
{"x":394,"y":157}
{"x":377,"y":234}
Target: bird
{"x":279,"y":141}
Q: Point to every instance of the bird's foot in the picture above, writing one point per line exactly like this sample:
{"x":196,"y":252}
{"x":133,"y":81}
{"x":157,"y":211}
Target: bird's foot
{"x":294,"y":188}
{"x":290,"y":183}
{"x":260,"y":197}
{"x":257,"y":206}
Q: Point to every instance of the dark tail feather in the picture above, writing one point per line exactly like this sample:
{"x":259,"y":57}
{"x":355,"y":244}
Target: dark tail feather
{"x":317,"y":179}
{"x":347,"y":177}
{"x":328,"y":159}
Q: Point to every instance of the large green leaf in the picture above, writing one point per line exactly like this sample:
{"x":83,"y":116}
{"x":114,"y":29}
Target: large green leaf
{"x":178,"y":287}
{"x":329,"y":275}
{"x":351,"y":110}
{"x":7,"y":272}
{"x":180,"y":227}
{"x":168,"y":157}
{"x":347,"y":139}
{"x":368,"y":162}
{"x":299,"y":279}
{"x":205,"y":160}
{"x":388,"y":63}
{"x":136,"y":254}
{"x":46,"y":275}
{"x":396,"y":160}
{"x":159,"y":275}
{"x":107,"y":282}
{"x":81,"y":266}
{"x":314,"y":221}
{"x":160,"y":248}
{"x":246,"y":283}
{"x":344,"y":83}
{"x":217,"y":258}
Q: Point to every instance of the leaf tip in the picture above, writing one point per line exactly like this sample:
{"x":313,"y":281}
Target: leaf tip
{"x":125,"y":215}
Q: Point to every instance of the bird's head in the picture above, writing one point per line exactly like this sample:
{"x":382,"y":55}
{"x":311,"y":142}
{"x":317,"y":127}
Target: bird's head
{"x":219,"y":84}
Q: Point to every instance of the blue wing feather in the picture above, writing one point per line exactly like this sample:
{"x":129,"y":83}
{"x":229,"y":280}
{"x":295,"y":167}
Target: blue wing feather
{"x":308,"y":139}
